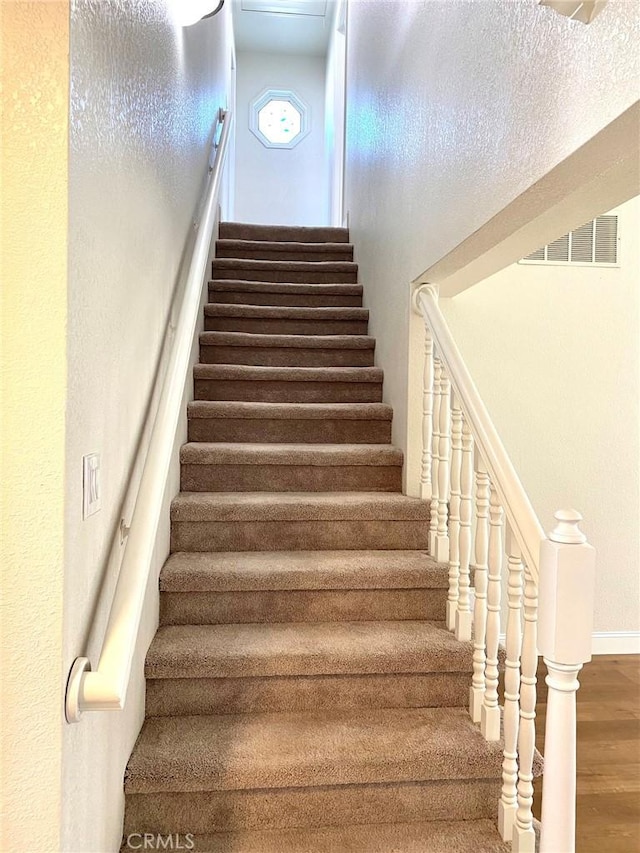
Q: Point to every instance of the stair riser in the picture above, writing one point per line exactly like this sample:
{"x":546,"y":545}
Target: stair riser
{"x":288,"y":392}
{"x":276,"y":254}
{"x":176,"y":696}
{"x":211,"y":811}
{"x":290,"y":478}
{"x":299,"y":535}
{"x":286,"y":356}
{"x":293,"y":431}
{"x":290,"y":300}
{"x":285,"y":326}
{"x":285,"y":233}
{"x":308,"y":276}
{"x":348,"y":605}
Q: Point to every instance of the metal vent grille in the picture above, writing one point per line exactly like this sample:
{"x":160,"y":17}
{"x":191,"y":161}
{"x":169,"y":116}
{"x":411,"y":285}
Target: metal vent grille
{"x":582,"y":244}
{"x":595,"y":242}
{"x":559,"y":249}
{"x":606,"y":242}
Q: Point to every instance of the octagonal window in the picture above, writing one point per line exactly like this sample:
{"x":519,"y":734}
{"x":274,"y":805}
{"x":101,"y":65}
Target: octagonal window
{"x":279,"y":119}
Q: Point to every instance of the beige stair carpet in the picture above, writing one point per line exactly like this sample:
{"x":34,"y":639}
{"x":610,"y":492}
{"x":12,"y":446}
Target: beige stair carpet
{"x":303,"y":695}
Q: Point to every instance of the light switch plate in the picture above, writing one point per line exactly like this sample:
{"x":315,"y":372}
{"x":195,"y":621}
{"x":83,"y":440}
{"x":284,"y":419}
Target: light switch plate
{"x":91,"y":497}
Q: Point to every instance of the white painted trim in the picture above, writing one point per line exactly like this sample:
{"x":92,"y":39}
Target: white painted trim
{"x":616,"y":643}
{"x":609,"y":642}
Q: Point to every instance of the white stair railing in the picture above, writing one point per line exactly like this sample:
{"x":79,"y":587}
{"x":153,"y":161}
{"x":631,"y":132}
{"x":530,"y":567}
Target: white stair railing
{"x":549,"y":590}
{"x":105,"y":688}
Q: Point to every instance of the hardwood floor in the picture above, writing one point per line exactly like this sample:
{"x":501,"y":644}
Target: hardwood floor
{"x":608,"y":806}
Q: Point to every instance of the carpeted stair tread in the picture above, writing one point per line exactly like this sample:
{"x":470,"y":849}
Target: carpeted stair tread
{"x":302,"y":570}
{"x":221,"y":453}
{"x":282,"y":319}
{"x":315,"y":294}
{"x":220,"y":264}
{"x":238,"y":285}
{"x":259,"y":373}
{"x":298,"y":521}
{"x":305,"y":808}
{"x":254,"y":751}
{"x":298,"y":266}
{"x":272,"y":694}
{"x":307,"y":272}
{"x":297,"y":506}
{"x":249,"y":339}
{"x":283,"y":250}
{"x":289,"y":411}
{"x":297,"y":233}
{"x":285,"y":312}
{"x":231,"y":421}
{"x":286,"y":423}
{"x":252,"y":467}
{"x":304,"y":648}
{"x":465,"y":836}
{"x":284,"y":245}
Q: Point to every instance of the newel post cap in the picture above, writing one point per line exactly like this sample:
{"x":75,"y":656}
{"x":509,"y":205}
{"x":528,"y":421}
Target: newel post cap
{"x":567,"y":592}
{"x":567,"y":530}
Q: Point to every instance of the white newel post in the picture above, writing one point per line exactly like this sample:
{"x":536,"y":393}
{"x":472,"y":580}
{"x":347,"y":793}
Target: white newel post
{"x":565,"y":626}
{"x":427,"y":415}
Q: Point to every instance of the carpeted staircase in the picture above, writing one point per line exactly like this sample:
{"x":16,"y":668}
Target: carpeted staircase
{"x":302,"y":693}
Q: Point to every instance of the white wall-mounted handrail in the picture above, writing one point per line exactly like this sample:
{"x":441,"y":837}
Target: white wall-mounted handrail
{"x":105,"y":688}
{"x":521,"y":516}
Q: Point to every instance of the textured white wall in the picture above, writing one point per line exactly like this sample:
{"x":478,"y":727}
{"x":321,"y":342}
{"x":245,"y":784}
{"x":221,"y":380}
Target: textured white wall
{"x":281,"y":186}
{"x":455,"y":108}
{"x":35,"y":100}
{"x":144,"y":94}
{"x":555,"y":353}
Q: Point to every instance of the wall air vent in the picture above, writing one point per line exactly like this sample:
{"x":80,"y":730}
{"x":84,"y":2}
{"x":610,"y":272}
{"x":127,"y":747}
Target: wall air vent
{"x":595,"y":243}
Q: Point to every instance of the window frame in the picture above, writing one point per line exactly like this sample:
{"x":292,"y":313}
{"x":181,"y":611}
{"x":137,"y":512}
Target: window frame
{"x":264,"y":98}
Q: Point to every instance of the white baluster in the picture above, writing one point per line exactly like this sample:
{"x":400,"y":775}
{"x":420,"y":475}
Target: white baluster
{"x":427,"y":418}
{"x":435,"y":456}
{"x":490,"y":715}
{"x":509,"y":798}
{"x":567,"y":583}
{"x":463,"y":616}
{"x":444,"y":457}
{"x":476,"y":693}
{"x":454,"y":516}
{"x":523,"y":838}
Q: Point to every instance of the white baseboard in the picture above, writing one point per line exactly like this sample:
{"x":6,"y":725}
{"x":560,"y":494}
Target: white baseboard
{"x":616,"y":643}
